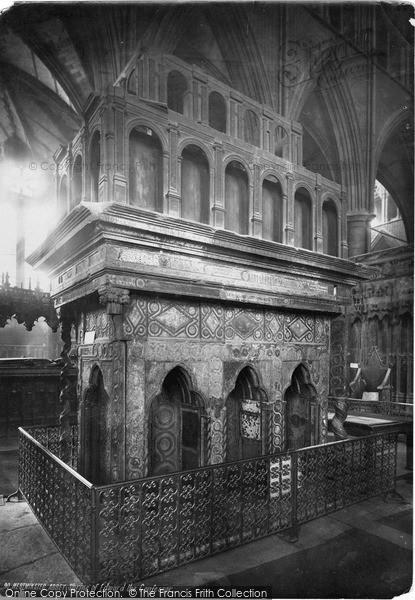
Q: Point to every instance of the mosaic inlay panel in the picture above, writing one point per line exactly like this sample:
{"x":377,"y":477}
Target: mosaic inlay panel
{"x":274,"y":327}
{"x":298,"y":329}
{"x":244,"y":324}
{"x":174,"y":319}
{"x":136,"y":318}
{"x":168,"y":319}
{"x":212,"y":323}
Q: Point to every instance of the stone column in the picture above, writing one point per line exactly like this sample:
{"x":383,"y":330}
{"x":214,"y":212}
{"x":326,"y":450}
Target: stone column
{"x":218,"y":208}
{"x":120,"y":167}
{"x":318,"y":217}
{"x":173,"y":196}
{"x":289,"y":211}
{"x":86,"y":163}
{"x":115,"y":298}
{"x":257,"y":204}
{"x":344,"y":247}
{"x":339,"y":356}
{"x":107,"y":154}
{"x":359,"y":233}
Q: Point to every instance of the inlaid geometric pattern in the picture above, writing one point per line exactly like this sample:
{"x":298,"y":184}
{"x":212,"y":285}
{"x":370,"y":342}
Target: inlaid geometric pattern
{"x":212,"y":318}
{"x":244,"y":324}
{"x":136,"y":318}
{"x":298,"y":329}
{"x":274,"y":327}
{"x":173,"y":319}
{"x":319,"y":330}
{"x":163,"y":318}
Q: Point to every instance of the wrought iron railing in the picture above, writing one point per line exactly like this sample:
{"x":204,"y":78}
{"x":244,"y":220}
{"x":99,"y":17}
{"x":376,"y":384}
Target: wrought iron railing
{"x":49,"y":437}
{"x":127,"y":531}
{"x":61,"y":499}
{"x":392,"y":409}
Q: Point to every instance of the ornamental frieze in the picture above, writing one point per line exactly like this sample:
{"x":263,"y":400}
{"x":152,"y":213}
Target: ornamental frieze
{"x":159,"y":318}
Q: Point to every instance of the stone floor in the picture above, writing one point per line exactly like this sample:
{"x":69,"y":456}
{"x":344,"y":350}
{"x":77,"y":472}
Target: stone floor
{"x":363,"y":551}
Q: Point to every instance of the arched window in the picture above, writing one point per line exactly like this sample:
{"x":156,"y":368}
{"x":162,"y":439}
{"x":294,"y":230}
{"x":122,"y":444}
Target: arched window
{"x":236,"y":198}
{"x":77,"y":182}
{"x":63,"y":197}
{"x":252,"y":132}
{"x":246,"y":430}
{"x":145,"y":170}
{"x":303,"y":225}
{"x":95,"y":433}
{"x":195,"y":185}
{"x":95,"y":165}
{"x":217,"y":112}
{"x":271,"y":209}
{"x":301,"y":411}
{"x":176,"y":89}
{"x":177,"y":433}
{"x":330,"y":229}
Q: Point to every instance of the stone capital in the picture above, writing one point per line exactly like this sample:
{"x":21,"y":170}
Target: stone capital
{"x":114,"y":297}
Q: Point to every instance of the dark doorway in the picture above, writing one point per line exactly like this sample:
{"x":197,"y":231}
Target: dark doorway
{"x":301,"y":410}
{"x":95,"y":433}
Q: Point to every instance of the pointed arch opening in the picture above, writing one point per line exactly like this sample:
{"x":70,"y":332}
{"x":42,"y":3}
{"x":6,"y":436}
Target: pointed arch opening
{"x":95,"y":442}
{"x":177,"y":431}
{"x":301,"y":410}
{"x":246,"y":431}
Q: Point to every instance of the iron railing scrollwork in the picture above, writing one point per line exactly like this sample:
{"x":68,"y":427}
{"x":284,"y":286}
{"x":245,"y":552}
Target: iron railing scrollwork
{"x":124,"y":532}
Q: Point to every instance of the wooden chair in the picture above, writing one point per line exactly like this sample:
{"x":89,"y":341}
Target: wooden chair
{"x":373,"y":380}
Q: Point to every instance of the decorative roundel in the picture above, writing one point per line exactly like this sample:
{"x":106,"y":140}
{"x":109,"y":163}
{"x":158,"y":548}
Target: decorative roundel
{"x":164,"y":416}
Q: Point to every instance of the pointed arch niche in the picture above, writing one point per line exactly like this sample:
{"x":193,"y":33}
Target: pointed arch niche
{"x":177,"y":428}
{"x":94,"y":431}
{"x":301,"y":410}
{"x":246,"y":430}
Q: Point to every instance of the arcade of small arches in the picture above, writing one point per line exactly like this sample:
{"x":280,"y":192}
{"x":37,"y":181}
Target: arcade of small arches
{"x":179,"y":432}
{"x":184,"y":170}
